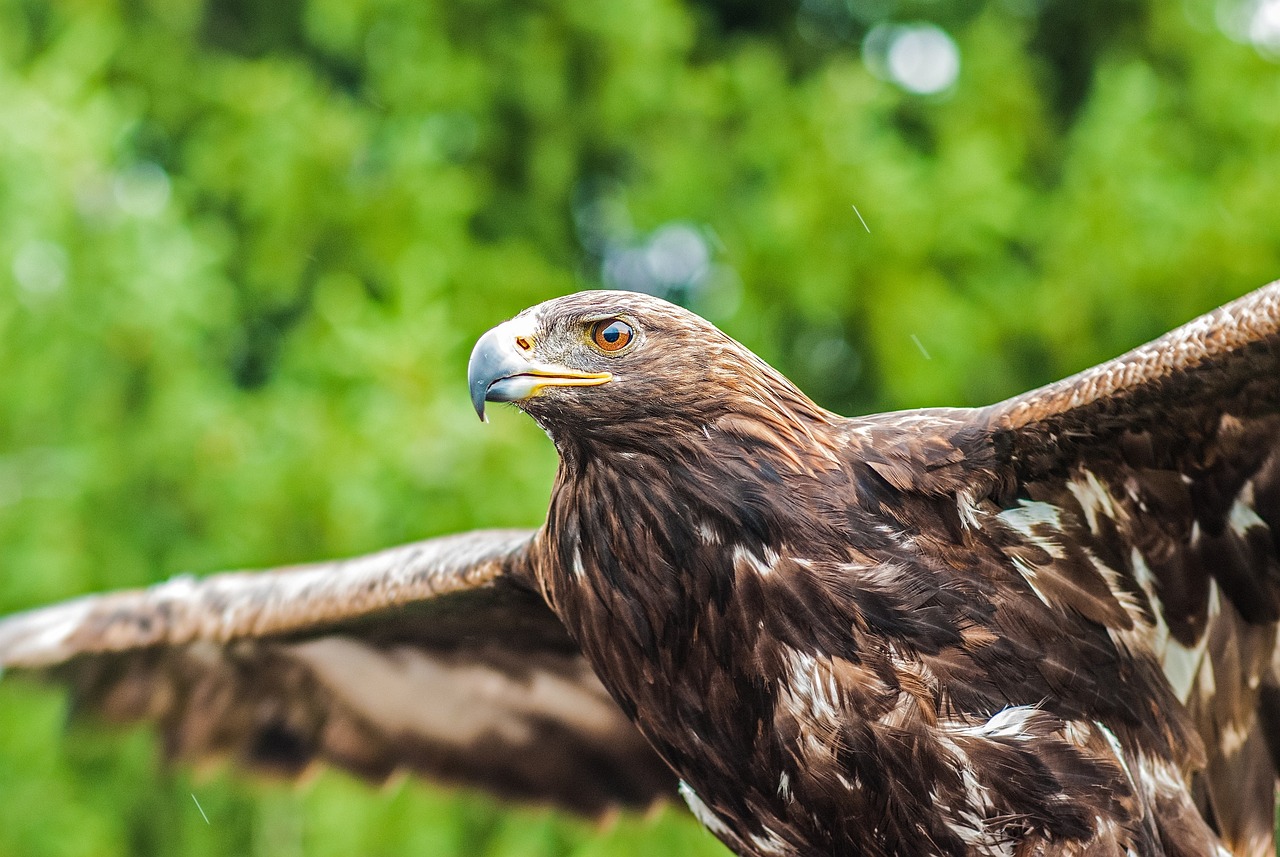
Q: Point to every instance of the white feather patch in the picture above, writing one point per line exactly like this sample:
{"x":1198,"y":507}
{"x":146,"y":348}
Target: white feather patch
{"x":809,"y":689}
{"x":701,"y":811}
{"x":708,"y":534}
{"x":1094,"y":499}
{"x":767,"y":842}
{"x":1008,"y":723}
{"x":1031,"y":515}
{"x":763,"y":566}
{"x":1243,"y":518}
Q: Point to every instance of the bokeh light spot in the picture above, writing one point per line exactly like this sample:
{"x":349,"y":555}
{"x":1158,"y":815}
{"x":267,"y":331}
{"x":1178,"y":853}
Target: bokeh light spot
{"x":1253,"y":22}
{"x":40,"y":268}
{"x":920,"y":58}
{"x":677,"y":253}
{"x":1264,"y":28}
{"x":142,"y":190}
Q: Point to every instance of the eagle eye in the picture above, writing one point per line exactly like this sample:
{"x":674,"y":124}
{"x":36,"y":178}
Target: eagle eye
{"x":611,"y":335}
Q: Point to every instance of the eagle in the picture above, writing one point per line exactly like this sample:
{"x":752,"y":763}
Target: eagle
{"x":1043,"y":627}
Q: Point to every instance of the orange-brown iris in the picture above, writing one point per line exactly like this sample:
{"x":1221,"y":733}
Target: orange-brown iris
{"x":612,"y":335}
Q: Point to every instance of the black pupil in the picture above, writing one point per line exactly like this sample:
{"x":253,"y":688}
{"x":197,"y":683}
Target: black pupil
{"x":613,"y":333}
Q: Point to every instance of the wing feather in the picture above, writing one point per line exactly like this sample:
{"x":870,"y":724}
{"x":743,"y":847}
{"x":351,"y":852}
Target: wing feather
{"x":436,"y":657}
{"x":1219,"y":361}
{"x":1164,"y":465}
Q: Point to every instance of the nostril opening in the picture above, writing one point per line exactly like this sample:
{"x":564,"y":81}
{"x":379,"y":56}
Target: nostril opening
{"x":523,"y":343}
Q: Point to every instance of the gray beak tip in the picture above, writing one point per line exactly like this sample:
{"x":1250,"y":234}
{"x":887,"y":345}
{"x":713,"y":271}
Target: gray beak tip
{"x":489,"y":363}
{"x":478,"y":402}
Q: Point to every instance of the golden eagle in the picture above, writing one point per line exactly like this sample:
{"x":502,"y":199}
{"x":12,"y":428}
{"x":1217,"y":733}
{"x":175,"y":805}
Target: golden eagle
{"x":1044,"y":627}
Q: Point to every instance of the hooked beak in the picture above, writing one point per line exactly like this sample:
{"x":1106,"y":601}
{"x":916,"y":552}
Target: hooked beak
{"x":502,"y":371}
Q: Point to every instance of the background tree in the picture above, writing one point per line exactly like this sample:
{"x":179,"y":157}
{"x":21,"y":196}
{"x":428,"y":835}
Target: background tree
{"x":246,"y":248}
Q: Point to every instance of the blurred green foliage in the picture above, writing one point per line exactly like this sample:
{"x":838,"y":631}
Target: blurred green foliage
{"x":246,"y":248}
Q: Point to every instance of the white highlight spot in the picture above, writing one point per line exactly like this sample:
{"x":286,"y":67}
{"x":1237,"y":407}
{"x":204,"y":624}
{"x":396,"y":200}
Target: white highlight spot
{"x":1255,"y":22}
{"x":677,"y":253}
{"x":1264,"y":27}
{"x":142,"y":190}
{"x":40,"y":268}
{"x":920,"y":58}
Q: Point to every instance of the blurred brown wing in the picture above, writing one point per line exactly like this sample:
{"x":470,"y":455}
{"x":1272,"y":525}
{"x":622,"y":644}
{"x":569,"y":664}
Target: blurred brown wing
{"x":1163,"y":465}
{"x":435,"y":657}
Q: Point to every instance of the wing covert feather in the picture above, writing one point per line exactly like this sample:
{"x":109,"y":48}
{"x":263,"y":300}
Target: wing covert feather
{"x":1164,"y":465}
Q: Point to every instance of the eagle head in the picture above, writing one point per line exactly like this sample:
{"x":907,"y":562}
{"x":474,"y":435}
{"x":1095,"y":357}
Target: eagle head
{"x":597,"y":363}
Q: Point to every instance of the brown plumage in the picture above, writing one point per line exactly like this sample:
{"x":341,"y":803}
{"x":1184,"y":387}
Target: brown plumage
{"x":1046,"y":627}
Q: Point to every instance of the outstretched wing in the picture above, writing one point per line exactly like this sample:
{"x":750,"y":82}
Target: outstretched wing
{"x":436,"y":657}
{"x":1163,"y":467}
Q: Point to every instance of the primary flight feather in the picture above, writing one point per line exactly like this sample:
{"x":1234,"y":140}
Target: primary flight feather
{"x":1045,"y":627}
